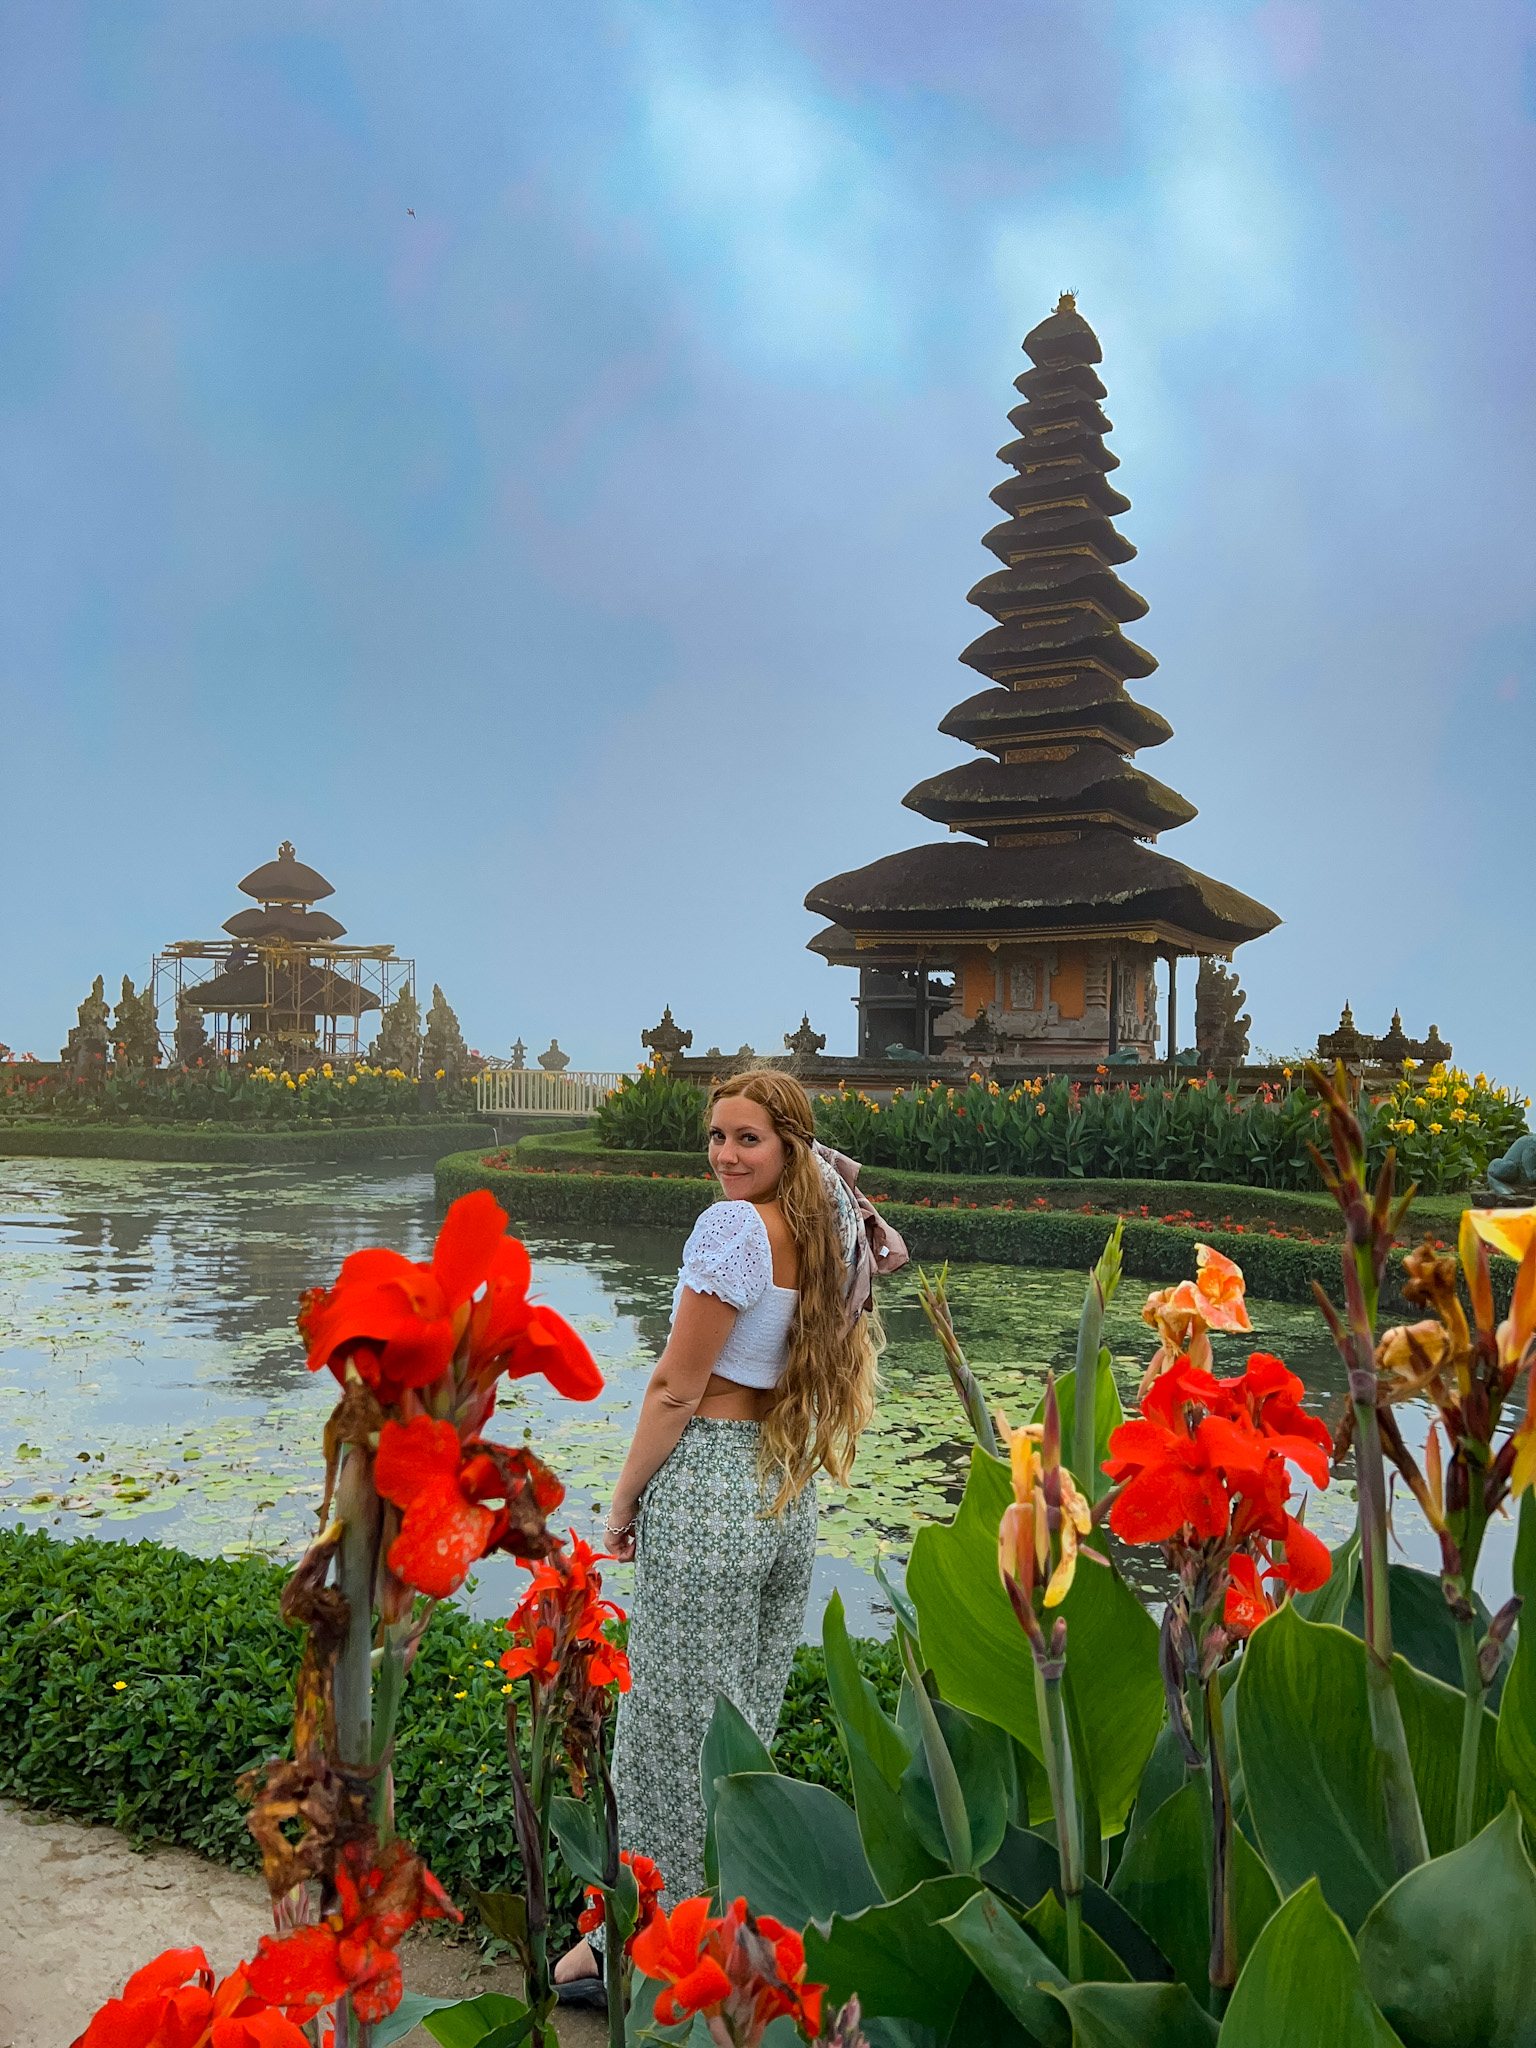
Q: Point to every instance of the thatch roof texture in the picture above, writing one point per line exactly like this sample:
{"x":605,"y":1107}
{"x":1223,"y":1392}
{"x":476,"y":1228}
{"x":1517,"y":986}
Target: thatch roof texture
{"x":1059,"y":802}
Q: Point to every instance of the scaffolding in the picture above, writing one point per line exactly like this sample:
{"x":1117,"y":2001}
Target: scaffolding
{"x":308,"y":999}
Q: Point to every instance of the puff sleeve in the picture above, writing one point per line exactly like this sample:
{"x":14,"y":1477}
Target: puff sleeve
{"x":728,"y":1255}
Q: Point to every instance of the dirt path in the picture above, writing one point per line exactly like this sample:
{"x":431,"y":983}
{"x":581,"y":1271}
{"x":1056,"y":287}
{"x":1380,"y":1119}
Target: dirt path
{"x":83,"y":1911}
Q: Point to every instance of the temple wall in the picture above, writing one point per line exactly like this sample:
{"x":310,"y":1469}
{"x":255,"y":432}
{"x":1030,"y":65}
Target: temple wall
{"x":1057,"y":997}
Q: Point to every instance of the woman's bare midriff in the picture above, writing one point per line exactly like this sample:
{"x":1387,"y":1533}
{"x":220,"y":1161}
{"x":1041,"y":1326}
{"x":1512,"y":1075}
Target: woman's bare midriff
{"x":726,"y":1401}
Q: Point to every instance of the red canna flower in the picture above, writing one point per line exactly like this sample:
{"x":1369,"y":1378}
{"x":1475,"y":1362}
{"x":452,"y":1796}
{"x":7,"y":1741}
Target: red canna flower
{"x":1247,"y":1603}
{"x":353,"y":1950}
{"x":403,"y":1323}
{"x":534,"y":1659}
{"x":741,"y":1971}
{"x":422,"y":1467}
{"x":161,"y":2008}
{"x":675,"y":1951}
{"x":649,"y":1883}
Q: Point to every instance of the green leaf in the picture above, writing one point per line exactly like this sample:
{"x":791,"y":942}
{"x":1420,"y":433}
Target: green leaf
{"x":981,"y":2017}
{"x":1028,"y":1866}
{"x":790,"y":1849}
{"x":1108,"y":1414}
{"x":982,"y":1754}
{"x":891,"y":1843}
{"x":494,"y":2020}
{"x":578,"y":1828}
{"x":1311,"y":1772}
{"x":1330,"y":1601}
{"x":731,"y":1745}
{"x":412,"y":2012}
{"x":1164,"y":1880}
{"x":896,"y":1956}
{"x":1303,"y":1982}
{"x":1432,"y":1716}
{"x":1014,"y":1964}
{"x":1517,"y":1712}
{"x":1136,"y":2016}
{"x":1423,"y":1628}
{"x":1447,"y":1954}
{"x":1164,"y":1775}
{"x":981,"y":1659}
{"x":856,"y":1703}
{"x":1047,"y":1922}
{"x":505,"y":1915}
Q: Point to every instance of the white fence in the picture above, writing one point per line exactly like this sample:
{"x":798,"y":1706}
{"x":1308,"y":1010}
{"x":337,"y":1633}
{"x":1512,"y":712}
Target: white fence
{"x":508,"y":1091}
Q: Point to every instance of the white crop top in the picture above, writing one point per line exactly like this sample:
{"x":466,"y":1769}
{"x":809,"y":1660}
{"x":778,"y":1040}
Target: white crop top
{"x":728,"y":1255}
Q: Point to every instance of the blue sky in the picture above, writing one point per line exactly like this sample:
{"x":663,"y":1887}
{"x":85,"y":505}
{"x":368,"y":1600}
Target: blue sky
{"x":575,"y":569}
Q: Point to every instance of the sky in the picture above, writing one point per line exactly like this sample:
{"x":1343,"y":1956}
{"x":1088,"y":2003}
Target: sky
{"x":534,"y":459}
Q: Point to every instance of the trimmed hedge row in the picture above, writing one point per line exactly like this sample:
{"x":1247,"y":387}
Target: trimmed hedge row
{"x":1203,"y":1201}
{"x":1277,"y":1268}
{"x":224,"y":1144}
{"x":136,"y":1683}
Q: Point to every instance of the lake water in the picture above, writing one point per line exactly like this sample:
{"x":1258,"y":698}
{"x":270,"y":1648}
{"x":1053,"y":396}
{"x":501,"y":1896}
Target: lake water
{"x":152,"y":1382}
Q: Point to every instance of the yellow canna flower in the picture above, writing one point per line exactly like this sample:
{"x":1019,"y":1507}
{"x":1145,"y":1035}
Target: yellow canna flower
{"x":1076,"y":1520}
{"x":1510,"y":1231}
{"x":1435,"y":1130}
{"x":119,"y":1685}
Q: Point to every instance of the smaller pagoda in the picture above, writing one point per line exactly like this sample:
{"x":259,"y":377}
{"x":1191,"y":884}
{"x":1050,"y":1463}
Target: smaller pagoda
{"x":282,"y":986}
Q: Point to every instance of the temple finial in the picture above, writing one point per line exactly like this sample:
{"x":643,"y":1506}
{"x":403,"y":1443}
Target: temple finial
{"x":1067,"y":303}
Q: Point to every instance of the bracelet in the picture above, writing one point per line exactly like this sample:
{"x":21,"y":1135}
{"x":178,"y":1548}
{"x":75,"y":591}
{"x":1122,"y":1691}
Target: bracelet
{"x":614,"y":1535}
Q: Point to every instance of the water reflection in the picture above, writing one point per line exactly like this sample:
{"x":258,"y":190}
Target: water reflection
{"x":150,"y":1374}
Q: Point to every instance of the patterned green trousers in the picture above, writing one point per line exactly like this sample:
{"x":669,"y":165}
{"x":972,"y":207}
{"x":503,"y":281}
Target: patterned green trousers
{"x":719,"y":1605}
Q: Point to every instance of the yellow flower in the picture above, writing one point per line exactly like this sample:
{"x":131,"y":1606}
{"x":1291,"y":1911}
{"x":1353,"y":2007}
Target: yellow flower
{"x":326,"y":1070}
{"x":461,"y":1695}
{"x":1458,"y":1116}
{"x":119,"y":1685}
{"x":440,"y":1074}
{"x":1462,"y":1094}
{"x":351,"y":1080}
{"x":489,"y":1664}
{"x":288,"y":1082}
{"x":1435,"y":1130}
{"x":1076,"y":1520}
{"x":506,"y":1688}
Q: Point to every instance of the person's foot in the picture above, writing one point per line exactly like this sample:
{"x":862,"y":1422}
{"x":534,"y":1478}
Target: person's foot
{"x":577,"y":1963}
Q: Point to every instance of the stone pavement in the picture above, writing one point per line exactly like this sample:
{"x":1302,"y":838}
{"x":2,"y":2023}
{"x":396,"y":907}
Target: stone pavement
{"x":83,"y":1910}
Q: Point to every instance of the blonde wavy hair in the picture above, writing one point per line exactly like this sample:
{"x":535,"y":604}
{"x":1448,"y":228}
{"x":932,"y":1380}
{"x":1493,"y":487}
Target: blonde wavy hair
{"x":827,"y":1394}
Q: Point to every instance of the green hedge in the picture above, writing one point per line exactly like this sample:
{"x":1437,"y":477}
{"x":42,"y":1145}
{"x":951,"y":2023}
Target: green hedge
{"x":1204,"y":1203}
{"x":206,"y":1667}
{"x":1276,"y":1268}
{"x":231,"y":1144}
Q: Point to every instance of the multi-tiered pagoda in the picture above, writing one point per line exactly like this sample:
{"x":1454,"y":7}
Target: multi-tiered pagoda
{"x":1035,"y":931}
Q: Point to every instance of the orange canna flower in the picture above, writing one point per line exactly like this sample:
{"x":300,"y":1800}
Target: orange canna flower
{"x":1219,"y":1283}
{"x":161,"y":2008}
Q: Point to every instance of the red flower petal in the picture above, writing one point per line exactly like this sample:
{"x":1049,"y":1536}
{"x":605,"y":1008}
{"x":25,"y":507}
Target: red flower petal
{"x":704,"y":1986}
{"x":442,"y":1536}
{"x":168,"y":1972}
{"x":549,"y":1345}
{"x":1307,"y":1561}
{"x":300,"y":1969}
{"x":467,"y":1244}
{"x":413,"y":1456}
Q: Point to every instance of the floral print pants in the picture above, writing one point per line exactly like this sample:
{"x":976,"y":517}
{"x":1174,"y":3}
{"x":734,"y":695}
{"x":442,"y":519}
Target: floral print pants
{"x":719,"y":1605}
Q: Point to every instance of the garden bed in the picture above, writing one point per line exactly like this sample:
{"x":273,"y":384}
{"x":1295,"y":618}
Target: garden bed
{"x":236,"y":1145}
{"x":137,"y":1682}
{"x":1280,"y":1263}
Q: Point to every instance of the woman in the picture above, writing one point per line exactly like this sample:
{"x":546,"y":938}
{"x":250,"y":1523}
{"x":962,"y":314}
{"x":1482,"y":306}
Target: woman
{"x":768,"y":1375}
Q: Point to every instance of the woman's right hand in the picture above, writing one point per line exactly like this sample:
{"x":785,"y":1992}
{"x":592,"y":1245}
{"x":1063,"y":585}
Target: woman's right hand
{"x":619,"y":1534}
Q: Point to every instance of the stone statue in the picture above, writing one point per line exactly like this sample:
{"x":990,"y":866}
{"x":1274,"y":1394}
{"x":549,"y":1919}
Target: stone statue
{"x":554,"y":1061}
{"x":1514,"y":1176}
{"x":191,"y":1035}
{"x":443,"y":1050}
{"x":519,"y":1056}
{"x":136,"y":1028}
{"x":1434,"y":1049}
{"x":805,"y":1043}
{"x":1221,"y":1035}
{"x":665,"y":1039}
{"x":399,"y":1041}
{"x":86,"y":1052}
